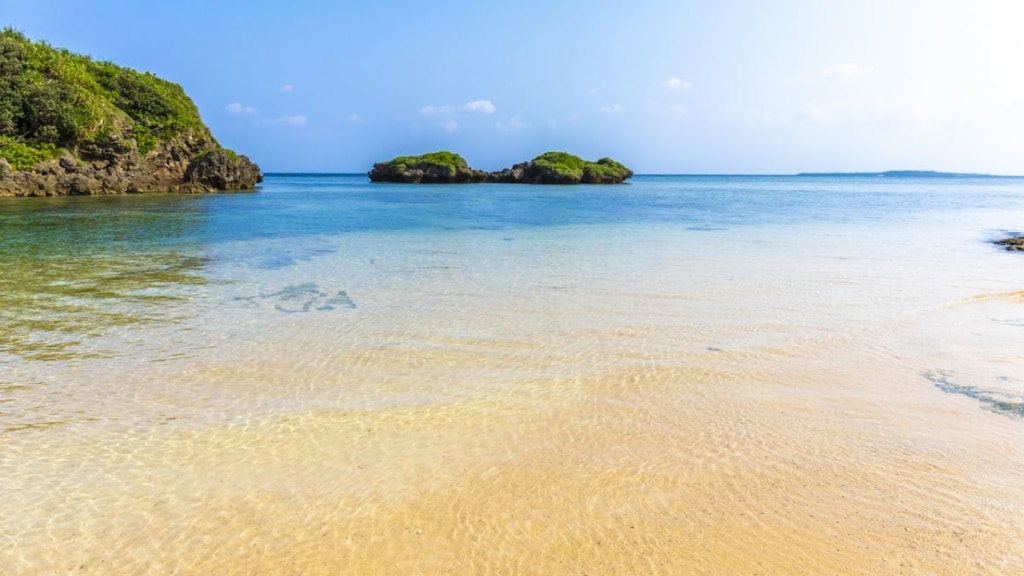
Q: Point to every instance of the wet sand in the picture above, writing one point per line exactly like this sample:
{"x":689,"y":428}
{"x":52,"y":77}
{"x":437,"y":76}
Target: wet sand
{"x":806,"y":461}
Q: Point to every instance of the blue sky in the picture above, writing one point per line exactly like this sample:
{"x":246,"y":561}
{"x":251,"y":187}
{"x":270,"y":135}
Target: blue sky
{"x":724,"y":86}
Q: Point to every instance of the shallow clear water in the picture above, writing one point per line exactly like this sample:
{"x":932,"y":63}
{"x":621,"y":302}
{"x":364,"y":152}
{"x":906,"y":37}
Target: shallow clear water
{"x":784,"y":374}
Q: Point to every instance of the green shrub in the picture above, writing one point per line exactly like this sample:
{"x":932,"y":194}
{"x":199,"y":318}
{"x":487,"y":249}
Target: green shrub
{"x":21,"y":156}
{"x":444,"y":159}
{"x":51,"y":98}
{"x":563,"y":163}
{"x":605,"y":170}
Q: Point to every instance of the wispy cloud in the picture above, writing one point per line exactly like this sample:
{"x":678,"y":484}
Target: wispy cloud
{"x":846,"y":71}
{"x":474,"y":107}
{"x":670,"y":111}
{"x":613,"y":109}
{"x":446,"y":115}
{"x":287,"y":88}
{"x":513,"y":123}
{"x":431,"y":110}
{"x":292,"y":121}
{"x":556,"y":123}
{"x":479,"y":107}
{"x":674,"y":83}
{"x":891,"y":114}
{"x":238,"y":109}
{"x":355,"y":118}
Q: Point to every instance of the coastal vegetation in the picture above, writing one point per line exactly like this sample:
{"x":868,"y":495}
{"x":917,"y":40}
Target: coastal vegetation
{"x":448,"y":161}
{"x":56,"y":104}
{"x":562,"y":165}
{"x":548,"y":168}
{"x":434,"y":168}
{"x":54,"y":99}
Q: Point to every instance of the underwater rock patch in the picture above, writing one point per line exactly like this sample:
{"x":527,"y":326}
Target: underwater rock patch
{"x":994,"y":401}
{"x":303,"y":298}
{"x":1013,"y":243}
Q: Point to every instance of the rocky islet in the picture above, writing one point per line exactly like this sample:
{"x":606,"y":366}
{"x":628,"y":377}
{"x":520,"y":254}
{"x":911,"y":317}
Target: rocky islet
{"x":548,"y":168}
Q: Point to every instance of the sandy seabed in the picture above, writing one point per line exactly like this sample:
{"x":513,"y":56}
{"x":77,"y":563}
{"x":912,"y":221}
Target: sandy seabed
{"x":758,"y":409}
{"x":800,"y":461}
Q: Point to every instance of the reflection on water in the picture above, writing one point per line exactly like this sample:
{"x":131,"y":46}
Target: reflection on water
{"x":74,"y":269}
{"x":49,"y":308}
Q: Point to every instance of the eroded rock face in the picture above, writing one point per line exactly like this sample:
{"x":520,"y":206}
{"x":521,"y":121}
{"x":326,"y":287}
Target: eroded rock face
{"x":424,"y":173}
{"x":185,"y":164}
{"x":220,"y":170}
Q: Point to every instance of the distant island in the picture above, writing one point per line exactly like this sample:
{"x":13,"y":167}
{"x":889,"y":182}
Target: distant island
{"x":549,"y":168}
{"x":905,"y":174}
{"x":72,"y":125}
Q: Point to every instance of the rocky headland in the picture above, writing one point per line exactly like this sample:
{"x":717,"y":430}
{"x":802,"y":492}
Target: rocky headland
{"x":548,"y":168}
{"x":72,"y":125}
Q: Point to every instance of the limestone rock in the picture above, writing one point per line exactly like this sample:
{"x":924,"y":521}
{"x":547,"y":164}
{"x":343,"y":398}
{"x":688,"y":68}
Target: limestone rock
{"x":185,"y":164}
{"x":434,"y":168}
{"x":548,"y":168}
{"x":220,"y":170}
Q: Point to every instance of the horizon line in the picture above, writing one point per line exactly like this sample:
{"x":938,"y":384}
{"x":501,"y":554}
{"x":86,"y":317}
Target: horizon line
{"x":880,"y":174}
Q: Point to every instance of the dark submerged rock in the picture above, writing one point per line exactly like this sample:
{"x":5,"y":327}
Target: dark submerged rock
{"x":1013,"y":243}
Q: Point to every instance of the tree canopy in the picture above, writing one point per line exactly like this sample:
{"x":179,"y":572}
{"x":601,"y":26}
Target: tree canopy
{"x":51,"y":99}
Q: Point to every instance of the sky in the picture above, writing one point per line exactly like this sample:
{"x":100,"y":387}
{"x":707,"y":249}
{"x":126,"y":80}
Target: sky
{"x":664,"y":86}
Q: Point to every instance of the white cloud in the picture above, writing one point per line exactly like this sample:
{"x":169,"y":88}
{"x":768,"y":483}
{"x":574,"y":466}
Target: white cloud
{"x":437,"y":110}
{"x":294,"y":121}
{"x":889,"y":114}
{"x":355,"y":118}
{"x":479,"y":106}
{"x":447,"y":114}
{"x":846,"y":71}
{"x":514,"y":123}
{"x":474,"y":107}
{"x":674,"y":83}
{"x":238,"y":109}
{"x":613,"y":109}
{"x":287,"y":88}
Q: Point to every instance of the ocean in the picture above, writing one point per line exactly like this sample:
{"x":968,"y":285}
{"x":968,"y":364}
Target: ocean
{"x":682,"y":374}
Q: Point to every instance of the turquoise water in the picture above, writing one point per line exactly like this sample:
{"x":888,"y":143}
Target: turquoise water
{"x":126,"y":322}
{"x":155,"y":278}
{"x":80,"y":268}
